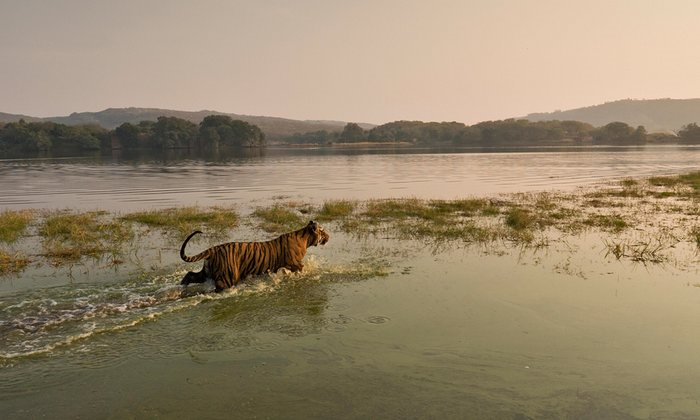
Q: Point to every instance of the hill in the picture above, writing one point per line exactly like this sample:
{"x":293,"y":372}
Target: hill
{"x":656,"y":115}
{"x":5,"y":117}
{"x":274,"y":128}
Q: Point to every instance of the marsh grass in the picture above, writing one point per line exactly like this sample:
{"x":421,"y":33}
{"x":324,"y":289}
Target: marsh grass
{"x":642,"y":250}
{"x":279,"y":218}
{"x":689,"y":182}
{"x":14,"y":224}
{"x":12,"y":264}
{"x":336,"y":210}
{"x":440,"y":211}
{"x":435,"y":221}
{"x":182,"y":221}
{"x":69,"y":236}
{"x":519,"y":219}
{"x":527,"y":220}
{"x":607,"y":222}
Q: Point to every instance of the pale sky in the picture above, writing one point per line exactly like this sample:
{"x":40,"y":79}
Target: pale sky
{"x":371,"y":61}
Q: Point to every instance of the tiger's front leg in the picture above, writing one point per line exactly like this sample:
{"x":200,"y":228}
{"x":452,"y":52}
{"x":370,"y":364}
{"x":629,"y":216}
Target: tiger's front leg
{"x":221,"y":283}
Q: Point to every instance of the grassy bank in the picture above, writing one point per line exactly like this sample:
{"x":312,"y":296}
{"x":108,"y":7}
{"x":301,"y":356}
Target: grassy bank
{"x":638,"y":219}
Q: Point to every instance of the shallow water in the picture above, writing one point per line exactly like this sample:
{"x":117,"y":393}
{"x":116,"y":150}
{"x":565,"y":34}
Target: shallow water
{"x":388,"y":329}
{"x":374,"y":327}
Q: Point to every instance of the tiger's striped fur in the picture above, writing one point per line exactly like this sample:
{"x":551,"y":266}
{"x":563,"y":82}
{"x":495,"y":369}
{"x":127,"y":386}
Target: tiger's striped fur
{"x":229,"y":263}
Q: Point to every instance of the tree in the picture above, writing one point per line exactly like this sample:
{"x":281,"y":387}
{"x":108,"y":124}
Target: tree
{"x":614,"y":133}
{"x":352,"y":133}
{"x":312,"y":137}
{"x":690,"y":133}
{"x":128,"y":135}
{"x":639,"y":135}
{"x":215,"y":130}
{"x":173,"y":133}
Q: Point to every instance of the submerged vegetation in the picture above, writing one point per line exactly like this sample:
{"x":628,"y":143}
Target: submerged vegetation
{"x":663,"y":209}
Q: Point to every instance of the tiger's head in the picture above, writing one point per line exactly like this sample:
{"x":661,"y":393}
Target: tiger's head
{"x":316,"y":234}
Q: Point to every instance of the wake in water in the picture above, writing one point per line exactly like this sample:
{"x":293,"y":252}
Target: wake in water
{"x":43,"y":320}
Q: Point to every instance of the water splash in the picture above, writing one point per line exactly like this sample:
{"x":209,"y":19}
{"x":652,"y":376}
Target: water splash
{"x":42,"y":321}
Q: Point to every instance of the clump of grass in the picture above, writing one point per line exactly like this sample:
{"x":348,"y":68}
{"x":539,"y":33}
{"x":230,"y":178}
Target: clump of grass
{"x":336,"y":209}
{"x":393,"y":209}
{"x":438,"y":211}
{"x":278,"y":218}
{"x":609,"y":222}
{"x":186,"y":219}
{"x":435,"y":220}
{"x":443,"y":232}
{"x":545,"y":202}
{"x":519,"y":219}
{"x":13,"y":224}
{"x":70,"y":236}
{"x":629,"y":183}
{"x":10,"y":264}
{"x":664,"y":181}
{"x":690,"y":180}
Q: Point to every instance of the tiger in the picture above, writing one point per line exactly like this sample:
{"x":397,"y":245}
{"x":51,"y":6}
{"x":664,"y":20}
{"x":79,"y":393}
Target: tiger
{"x":229,"y":263}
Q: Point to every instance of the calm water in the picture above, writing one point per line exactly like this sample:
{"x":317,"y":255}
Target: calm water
{"x":374,"y":328}
{"x":135,"y":183}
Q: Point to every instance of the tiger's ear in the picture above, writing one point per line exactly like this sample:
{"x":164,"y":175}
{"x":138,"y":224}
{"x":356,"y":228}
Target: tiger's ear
{"x":311,"y":223}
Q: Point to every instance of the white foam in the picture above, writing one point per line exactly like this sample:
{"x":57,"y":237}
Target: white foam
{"x":45,"y":324}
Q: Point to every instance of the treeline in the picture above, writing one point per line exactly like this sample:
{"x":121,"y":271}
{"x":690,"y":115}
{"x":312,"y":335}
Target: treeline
{"x":166,"y":133}
{"x":217,"y":131}
{"x":509,"y":132}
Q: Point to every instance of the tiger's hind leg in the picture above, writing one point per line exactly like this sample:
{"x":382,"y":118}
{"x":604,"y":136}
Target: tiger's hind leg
{"x":295,"y":267}
{"x":194,"y":277}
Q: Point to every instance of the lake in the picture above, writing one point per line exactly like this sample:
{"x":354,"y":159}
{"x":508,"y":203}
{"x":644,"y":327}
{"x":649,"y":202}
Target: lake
{"x":375,"y":327}
{"x":138,"y":182}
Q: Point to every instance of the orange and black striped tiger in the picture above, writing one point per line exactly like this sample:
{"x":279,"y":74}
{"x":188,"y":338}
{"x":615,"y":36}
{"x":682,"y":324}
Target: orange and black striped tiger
{"x":229,"y":263}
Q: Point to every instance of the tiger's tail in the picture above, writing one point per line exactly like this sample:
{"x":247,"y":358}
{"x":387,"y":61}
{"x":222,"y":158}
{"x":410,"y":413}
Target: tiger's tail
{"x":202,"y":255}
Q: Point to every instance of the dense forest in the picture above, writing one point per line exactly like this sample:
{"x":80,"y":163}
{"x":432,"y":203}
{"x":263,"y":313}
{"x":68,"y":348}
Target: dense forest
{"x":166,"y":133}
{"x":216,"y":131}
{"x":503,"y":133}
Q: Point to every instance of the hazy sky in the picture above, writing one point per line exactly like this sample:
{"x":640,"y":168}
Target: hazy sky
{"x":367,"y":61}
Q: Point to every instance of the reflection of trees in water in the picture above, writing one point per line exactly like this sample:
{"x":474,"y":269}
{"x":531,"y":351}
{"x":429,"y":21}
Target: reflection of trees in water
{"x":171,"y":156}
